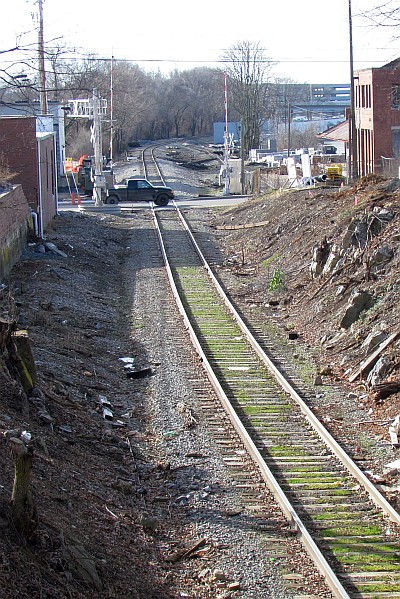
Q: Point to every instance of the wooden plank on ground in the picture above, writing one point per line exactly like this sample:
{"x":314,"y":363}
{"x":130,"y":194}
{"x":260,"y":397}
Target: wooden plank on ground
{"x":372,"y":357}
{"x":263,"y":223}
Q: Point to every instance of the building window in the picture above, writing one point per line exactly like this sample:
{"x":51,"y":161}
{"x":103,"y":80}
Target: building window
{"x":396,"y":96}
{"x":395,"y":142}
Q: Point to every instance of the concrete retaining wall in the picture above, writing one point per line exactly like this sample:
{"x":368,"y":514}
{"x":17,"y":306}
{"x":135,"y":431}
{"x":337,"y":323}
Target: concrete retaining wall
{"x":15,"y":221}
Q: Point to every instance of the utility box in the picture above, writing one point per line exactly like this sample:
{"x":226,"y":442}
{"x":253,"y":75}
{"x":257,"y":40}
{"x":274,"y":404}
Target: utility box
{"x":235,"y":169}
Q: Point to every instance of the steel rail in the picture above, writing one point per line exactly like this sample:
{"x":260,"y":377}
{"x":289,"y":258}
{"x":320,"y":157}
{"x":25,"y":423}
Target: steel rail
{"x":288,"y":510}
{"x":154,"y":162}
{"x":326,"y":437}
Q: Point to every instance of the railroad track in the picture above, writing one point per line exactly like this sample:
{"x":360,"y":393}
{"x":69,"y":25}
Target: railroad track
{"x":150,"y":168}
{"x":345,"y":524}
{"x":342,"y":519}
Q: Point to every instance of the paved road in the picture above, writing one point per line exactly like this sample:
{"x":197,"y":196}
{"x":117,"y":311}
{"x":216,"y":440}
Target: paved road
{"x":206,"y":202}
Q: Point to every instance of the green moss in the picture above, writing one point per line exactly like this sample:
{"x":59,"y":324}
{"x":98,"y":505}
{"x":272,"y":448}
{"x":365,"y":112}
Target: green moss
{"x":378,"y":588}
{"x":321,"y":481}
{"x":334,"y":515}
{"x":284,"y":450}
{"x":362,"y":530}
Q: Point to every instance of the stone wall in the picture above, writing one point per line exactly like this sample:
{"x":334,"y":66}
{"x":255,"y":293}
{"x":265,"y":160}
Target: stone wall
{"x":15,"y":220}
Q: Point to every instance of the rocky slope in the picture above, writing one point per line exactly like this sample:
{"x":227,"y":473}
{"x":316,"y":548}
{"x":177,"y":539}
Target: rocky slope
{"x":325,"y":264}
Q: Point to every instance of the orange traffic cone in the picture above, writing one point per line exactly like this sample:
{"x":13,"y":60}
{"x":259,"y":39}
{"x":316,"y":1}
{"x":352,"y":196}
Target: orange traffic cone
{"x":73,"y":197}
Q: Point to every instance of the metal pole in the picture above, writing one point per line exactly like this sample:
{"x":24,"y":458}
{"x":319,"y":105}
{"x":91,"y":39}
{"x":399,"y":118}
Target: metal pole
{"x":42,"y":72}
{"x":242,"y":171}
{"x":226,"y":187}
{"x":353,"y":158}
{"x":111,"y":109}
{"x":98,"y":183}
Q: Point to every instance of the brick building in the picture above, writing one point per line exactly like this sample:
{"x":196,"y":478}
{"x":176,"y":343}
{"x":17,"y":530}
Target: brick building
{"x":15,"y":222}
{"x":55,"y":116}
{"x":377,"y":114}
{"x":30,"y":155}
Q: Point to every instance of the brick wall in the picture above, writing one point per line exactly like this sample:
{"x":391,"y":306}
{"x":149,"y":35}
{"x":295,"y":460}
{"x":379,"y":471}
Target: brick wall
{"x":15,"y":219}
{"x":376,"y":117}
{"x":23,"y":151}
{"x":19,"y":153}
{"x":384,"y":116}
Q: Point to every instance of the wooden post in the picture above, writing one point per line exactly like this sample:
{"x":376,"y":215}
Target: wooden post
{"x":23,"y":510}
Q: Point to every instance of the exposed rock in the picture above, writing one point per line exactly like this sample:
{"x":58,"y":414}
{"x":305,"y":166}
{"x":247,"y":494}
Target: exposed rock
{"x":332,"y":261}
{"x":51,"y":247}
{"x":219,"y":575}
{"x":319,"y":257}
{"x":356,"y":235}
{"x":359,"y":301}
{"x":360,"y":231}
{"x":374,"y":338}
{"x":378,"y":372}
{"x":381,"y":256}
{"x":82,"y":565}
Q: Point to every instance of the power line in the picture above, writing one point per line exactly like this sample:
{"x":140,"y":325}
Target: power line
{"x":275,"y":61}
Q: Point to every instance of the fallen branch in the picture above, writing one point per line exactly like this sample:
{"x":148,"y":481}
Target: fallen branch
{"x":324,"y":284}
{"x":181,"y":555}
{"x":364,"y":365}
{"x":384,"y":390}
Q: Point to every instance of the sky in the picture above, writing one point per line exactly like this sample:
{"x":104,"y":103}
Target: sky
{"x":308,"y":39}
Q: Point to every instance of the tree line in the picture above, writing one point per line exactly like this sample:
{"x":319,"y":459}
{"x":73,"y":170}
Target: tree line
{"x":155,"y":105}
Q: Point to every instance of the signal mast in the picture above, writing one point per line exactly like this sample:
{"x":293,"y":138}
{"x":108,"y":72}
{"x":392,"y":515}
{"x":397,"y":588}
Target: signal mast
{"x":93,"y":108}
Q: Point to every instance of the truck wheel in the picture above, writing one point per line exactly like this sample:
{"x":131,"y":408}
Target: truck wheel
{"x":162,"y":200}
{"x":112,"y":200}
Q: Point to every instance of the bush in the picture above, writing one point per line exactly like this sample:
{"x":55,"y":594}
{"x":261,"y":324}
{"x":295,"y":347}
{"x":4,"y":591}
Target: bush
{"x":277,"y":282}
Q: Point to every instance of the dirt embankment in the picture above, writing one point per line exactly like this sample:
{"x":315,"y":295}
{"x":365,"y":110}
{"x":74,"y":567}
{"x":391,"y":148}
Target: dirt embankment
{"x":327,"y":263}
{"x":74,"y":301}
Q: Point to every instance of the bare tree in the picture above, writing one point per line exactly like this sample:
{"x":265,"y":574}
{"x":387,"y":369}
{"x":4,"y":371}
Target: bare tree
{"x":385,"y":14}
{"x":248,"y":72}
{"x":17,"y":80}
{"x":204,"y":92}
{"x":131,"y":99}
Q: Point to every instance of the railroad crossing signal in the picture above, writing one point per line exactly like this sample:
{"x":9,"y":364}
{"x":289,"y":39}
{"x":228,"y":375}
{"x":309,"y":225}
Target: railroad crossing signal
{"x":93,"y":108}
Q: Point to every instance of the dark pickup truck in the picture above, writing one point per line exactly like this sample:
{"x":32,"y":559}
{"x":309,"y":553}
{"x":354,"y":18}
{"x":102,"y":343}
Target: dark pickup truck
{"x":139,"y":190}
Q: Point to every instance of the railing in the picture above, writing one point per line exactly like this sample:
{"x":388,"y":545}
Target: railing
{"x":390,"y":167}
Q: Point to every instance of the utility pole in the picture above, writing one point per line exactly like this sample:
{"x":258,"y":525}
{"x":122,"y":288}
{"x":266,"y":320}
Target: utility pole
{"x":42,"y":71}
{"x":353,"y":148}
{"x":242,"y":170}
{"x":111,"y":109}
{"x":226,"y":186}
